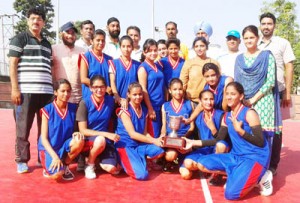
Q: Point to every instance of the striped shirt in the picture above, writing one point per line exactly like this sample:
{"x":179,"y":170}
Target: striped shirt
{"x":34,"y":67}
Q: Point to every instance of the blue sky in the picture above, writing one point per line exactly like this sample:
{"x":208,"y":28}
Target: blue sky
{"x":223,"y":15}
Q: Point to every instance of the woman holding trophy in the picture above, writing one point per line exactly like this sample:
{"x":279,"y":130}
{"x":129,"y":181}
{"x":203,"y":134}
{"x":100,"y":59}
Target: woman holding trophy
{"x":172,"y":115}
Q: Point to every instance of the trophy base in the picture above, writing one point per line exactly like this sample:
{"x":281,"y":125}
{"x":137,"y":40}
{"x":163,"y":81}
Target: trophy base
{"x":174,"y":142}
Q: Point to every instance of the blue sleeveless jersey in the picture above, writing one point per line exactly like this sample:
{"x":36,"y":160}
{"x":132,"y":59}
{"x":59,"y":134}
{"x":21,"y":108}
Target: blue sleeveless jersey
{"x":60,"y":125}
{"x":124,"y":75}
{"x":138,"y":122}
{"x":171,"y":70}
{"x":96,"y":66}
{"x":185,"y":109}
{"x":218,"y":92}
{"x":99,"y":115}
{"x":155,"y":84}
{"x":204,"y":131}
{"x":240,"y":146}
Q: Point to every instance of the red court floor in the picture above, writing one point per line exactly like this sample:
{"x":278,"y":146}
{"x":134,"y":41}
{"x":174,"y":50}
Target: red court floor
{"x":33,"y":187}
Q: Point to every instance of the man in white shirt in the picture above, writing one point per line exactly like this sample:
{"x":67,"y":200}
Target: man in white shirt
{"x":112,"y":46}
{"x":284,"y":57}
{"x":227,"y":61}
{"x":87,"y":29}
{"x":171,"y":32}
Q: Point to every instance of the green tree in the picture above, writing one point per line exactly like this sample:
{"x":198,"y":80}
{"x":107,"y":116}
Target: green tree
{"x":287,"y":27}
{"x":22,"y":6}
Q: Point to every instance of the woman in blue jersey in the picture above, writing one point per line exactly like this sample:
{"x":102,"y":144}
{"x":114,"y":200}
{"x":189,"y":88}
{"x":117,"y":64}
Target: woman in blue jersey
{"x":246,"y":163}
{"x":151,"y":78}
{"x":216,"y":83}
{"x":94,"y":62}
{"x":178,"y":106}
{"x":136,"y":145}
{"x":172,"y":64}
{"x":208,"y":123}
{"x":123,"y":71}
{"x":93,"y":116}
{"x":59,"y":144}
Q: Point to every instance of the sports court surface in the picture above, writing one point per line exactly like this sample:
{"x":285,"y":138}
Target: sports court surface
{"x":33,"y":187}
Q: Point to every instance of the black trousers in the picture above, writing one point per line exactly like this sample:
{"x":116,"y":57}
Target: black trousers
{"x":276,"y":150}
{"x":24,"y":116}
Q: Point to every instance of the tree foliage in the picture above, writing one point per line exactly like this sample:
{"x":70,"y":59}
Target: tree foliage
{"x":22,"y":6}
{"x":287,"y":27}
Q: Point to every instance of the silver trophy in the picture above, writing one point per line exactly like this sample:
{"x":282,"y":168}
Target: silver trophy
{"x":172,"y":140}
{"x":174,"y":125}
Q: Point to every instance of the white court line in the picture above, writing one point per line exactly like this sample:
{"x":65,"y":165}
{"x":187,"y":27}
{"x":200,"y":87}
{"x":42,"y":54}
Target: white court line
{"x":206,"y":191}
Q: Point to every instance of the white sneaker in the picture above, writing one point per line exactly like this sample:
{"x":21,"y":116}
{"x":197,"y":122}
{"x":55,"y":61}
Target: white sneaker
{"x":265,"y":184}
{"x":90,"y":171}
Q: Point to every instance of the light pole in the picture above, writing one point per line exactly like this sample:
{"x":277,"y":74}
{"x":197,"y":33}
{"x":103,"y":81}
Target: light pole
{"x":152,"y":28}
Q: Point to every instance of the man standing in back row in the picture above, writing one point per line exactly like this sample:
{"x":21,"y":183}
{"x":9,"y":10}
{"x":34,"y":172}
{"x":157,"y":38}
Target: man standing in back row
{"x":31,"y":81}
{"x":284,"y":57}
{"x":87,"y":29}
{"x":112,"y":46}
{"x":171,"y":32}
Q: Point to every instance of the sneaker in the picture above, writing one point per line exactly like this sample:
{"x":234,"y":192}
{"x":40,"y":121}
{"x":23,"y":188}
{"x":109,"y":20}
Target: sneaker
{"x":80,"y":163}
{"x":265,"y":184}
{"x":45,"y":174}
{"x":22,"y":167}
{"x":68,"y":175}
{"x":215,"y":180}
{"x":90,"y":171}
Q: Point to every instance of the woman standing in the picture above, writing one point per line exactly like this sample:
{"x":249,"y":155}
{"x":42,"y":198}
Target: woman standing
{"x":94,"y":62}
{"x":172,"y":64}
{"x":151,"y":78}
{"x":191,"y":73}
{"x":256,"y":71}
{"x":123,"y":71}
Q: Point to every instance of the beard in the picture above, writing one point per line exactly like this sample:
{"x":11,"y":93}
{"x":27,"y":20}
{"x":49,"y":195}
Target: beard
{"x":114,"y":34}
{"x":68,"y":43}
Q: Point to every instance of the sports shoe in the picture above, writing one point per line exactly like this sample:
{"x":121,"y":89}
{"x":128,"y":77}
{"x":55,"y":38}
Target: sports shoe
{"x":90,"y":171}
{"x":68,"y":175}
{"x":22,"y":167}
{"x":265,"y":184}
{"x":80,"y":163}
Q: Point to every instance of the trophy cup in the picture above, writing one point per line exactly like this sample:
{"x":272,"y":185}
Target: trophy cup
{"x":172,"y":140}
